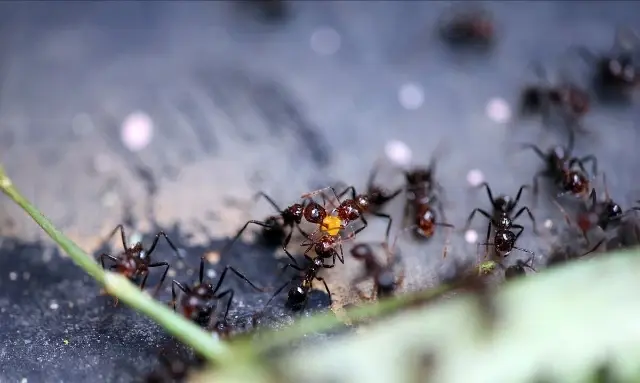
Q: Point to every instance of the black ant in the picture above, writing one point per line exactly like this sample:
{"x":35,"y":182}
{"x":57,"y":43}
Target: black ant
{"x":616,"y":71}
{"x":518,"y":269}
{"x":600,"y":213}
{"x":274,"y":227}
{"x":135,"y":261}
{"x":174,"y":369}
{"x":422,"y":195}
{"x":504,"y":238}
{"x":199,"y":301}
{"x":539,"y":99}
{"x":384,"y":278}
{"x":560,"y":168}
{"x":299,"y":291}
{"x":468,"y":27}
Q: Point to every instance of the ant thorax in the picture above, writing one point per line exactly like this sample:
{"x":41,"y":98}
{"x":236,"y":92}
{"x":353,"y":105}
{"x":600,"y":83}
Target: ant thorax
{"x":504,"y":203}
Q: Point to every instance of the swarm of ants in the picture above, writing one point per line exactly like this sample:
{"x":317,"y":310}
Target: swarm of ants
{"x":337,"y":216}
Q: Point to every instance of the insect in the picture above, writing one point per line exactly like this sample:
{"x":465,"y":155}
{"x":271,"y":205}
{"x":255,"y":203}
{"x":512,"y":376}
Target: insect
{"x":560,"y":167}
{"x":601,"y":213}
{"x":301,"y":285}
{"x":518,"y":269}
{"x":616,"y":72}
{"x":422,"y":197}
{"x":174,"y":369}
{"x":135,"y":261}
{"x":504,"y":238}
{"x":199,"y":301}
{"x":572,"y":101}
{"x":384,"y":278}
{"x":275,"y":227}
{"x":473,"y":26}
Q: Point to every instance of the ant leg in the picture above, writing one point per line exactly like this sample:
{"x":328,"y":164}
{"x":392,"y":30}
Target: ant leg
{"x":488,"y":233}
{"x":321,"y":191}
{"x":222,"y":295}
{"x":535,"y":149}
{"x":489,"y":193}
{"x":473,"y":213}
{"x":365,"y":223}
{"x":278,"y":291}
{"x":372,"y":176}
{"x":519,"y":227}
{"x":236,"y":272}
{"x":515,"y":203}
{"x":155,"y":243}
{"x":351,"y":189}
{"x":594,"y":163}
{"x":271,"y":201}
{"x":387,"y":217}
{"x":164,"y":275}
{"x":533,"y":220}
{"x":326,"y":287}
{"x":228,"y":246}
{"x":173,"y":292}
{"x":201,"y":271}
{"x":594,"y":248}
{"x":525,"y":251}
{"x":144,"y":280}
{"x":109,"y":256}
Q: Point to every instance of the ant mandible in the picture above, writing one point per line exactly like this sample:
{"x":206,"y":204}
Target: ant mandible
{"x":299,"y":291}
{"x":422,"y":195}
{"x":504,"y":238}
{"x":539,"y":99}
{"x":135,"y":261}
{"x":559,"y":166}
{"x":468,"y":27}
{"x":384,"y":278}
{"x":199,"y":301}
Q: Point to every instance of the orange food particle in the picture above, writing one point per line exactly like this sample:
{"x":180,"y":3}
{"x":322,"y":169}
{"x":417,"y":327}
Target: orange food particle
{"x":331,"y":225}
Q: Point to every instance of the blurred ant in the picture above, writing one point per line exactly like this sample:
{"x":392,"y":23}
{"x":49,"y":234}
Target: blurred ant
{"x":199,"y":301}
{"x":384,"y":279}
{"x":601,"y":213}
{"x":468,"y":27}
{"x":502,"y":218}
{"x":274,"y":227}
{"x":422,"y":195}
{"x":617,"y":70}
{"x":572,"y":101}
{"x":301,"y":284}
{"x":174,"y":369}
{"x":518,"y":269}
{"x":560,"y":168}
{"x":135,"y":261}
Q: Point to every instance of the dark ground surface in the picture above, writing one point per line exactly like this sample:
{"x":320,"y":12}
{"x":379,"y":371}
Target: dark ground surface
{"x":240,"y":105}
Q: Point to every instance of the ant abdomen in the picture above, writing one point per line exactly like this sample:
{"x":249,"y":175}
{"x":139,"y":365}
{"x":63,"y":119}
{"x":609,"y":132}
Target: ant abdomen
{"x":314,"y":213}
{"x":425,"y":221}
{"x":349,"y":210}
{"x":297,"y":297}
{"x":504,"y":241}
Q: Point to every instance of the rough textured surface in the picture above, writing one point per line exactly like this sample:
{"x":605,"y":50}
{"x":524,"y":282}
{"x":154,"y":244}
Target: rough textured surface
{"x":239,"y":105}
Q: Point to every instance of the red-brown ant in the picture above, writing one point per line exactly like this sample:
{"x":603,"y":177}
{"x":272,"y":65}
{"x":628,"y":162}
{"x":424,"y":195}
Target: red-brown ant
{"x":504,"y":238}
{"x":468,"y":27}
{"x":384,"y":278}
{"x":299,"y":291}
{"x":615,"y":71}
{"x":135,"y":261}
{"x":199,"y":301}
{"x":560,"y":168}
{"x":572,"y":101}
{"x":422,"y":195}
{"x":600,"y":213}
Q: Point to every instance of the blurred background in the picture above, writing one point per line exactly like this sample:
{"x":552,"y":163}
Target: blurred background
{"x":186,"y":109}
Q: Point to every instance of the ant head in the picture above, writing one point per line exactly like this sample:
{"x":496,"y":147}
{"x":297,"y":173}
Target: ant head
{"x":418,"y":176}
{"x":503,"y":242}
{"x":362,"y":200}
{"x":361,"y":251}
{"x":136,"y":248}
{"x":296,"y":212}
{"x":559,"y":151}
{"x":613,"y":210}
{"x":197,"y":308}
{"x":204,"y":290}
{"x":386,"y":282}
{"x":297,"y":297}
{"x":314,"y":213}
{"x":576,"y":182}
{"x":504,"y":203}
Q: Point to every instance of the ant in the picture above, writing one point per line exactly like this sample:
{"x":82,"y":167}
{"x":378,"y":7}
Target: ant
{"x":384,"y":279}
{"x":615,"y":71}
{"x":199,"y":301}
{"x":174,"y":368}
{"x":601,"y":213}
{"x":504,"y":238}
{"x":560,"y":168}
{"x":518,"y":269}
{"x":274,"y":227}
{"x":539,"y":99}
{"x":135,"y":261}
{"x":421,"y":196}
{"x":299,"y":291}
{"x":469,"y":27}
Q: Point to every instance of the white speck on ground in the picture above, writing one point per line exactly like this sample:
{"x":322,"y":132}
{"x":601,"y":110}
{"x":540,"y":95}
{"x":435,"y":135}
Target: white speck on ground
{"x":475,"y":177}
{"x":54,"y":305}
{"x":136,"y":131}
{"x":13,"y":275}
{"x":498,"y":110}
{"x":548,"y":224}
{"x":411,"y":96}
{"x":325,"y":41}
{"x":471,"y":236}
{"x":398,"y":152}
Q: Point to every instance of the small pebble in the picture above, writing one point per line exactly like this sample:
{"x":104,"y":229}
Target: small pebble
{"x":54,"y":305}
{"x":471,"y":236}
{"x":398,"y":152}
{"x":13,"y":275}
{"x":498,"y":110}
{"x":325,"y":41}
{"x":411,"y":96}
{"x":475,"y":177}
